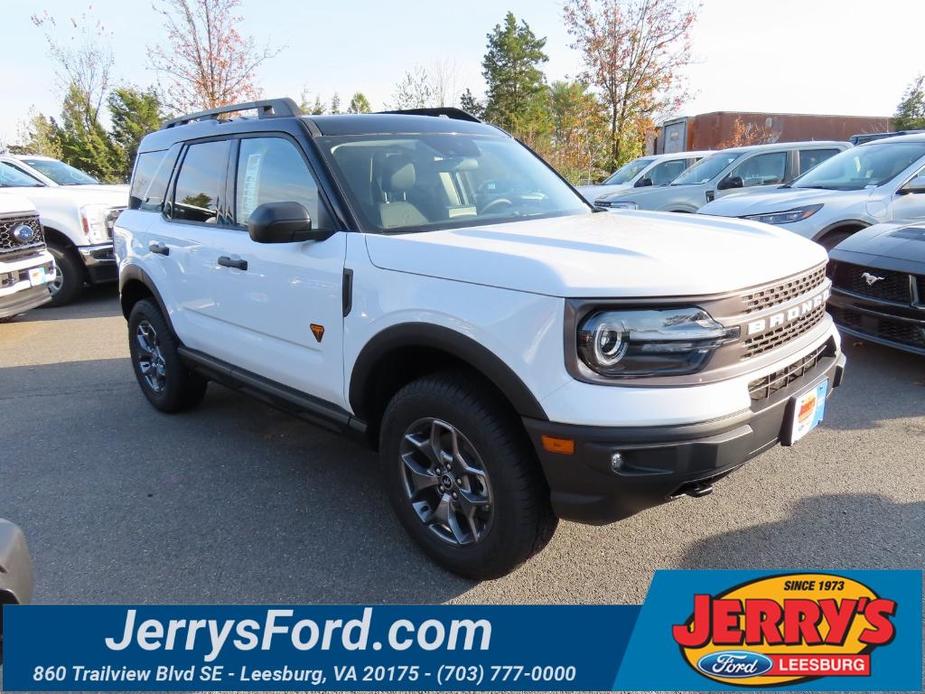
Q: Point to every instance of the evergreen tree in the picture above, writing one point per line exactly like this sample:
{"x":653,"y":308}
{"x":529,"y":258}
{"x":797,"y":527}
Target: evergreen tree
{"x":516,"y":87}
{"x":134,"y":114}
{"x":469,"y":104}
{"x":85,"y":144}
{"x":359,"y":104}
{"x":910,"y":114}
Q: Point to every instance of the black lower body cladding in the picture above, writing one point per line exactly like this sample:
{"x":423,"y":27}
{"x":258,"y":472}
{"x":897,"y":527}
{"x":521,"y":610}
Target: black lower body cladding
{"x":657,"y":464}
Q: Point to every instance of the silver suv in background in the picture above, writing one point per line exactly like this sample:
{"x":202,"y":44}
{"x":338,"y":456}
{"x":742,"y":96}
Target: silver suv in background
{"x":654,"y":170}
{"x":758,"y":167}
{"x":881,"y":181}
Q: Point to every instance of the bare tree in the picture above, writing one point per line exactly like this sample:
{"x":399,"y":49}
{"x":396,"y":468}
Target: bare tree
{"x":207,"y":62}
{"x":416,"y":89}
{"x":634,"y":52}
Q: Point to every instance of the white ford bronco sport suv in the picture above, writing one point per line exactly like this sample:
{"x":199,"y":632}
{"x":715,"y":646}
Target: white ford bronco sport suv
{"x":430,"y":284}
{"x":26,"y":267}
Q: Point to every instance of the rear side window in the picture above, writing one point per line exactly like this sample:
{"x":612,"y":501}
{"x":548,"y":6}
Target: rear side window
{"x":664,"y":173}
{"x":811,"y":157}
{"x":762,"y":170}
{"x":201,"y":182}
{"x":271,"y":169}
{"x":149,"y":182}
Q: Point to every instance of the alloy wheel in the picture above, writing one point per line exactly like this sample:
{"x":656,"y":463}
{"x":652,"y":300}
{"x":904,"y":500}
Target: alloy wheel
{"x":151,"y":361}
{"x":446,"y":482}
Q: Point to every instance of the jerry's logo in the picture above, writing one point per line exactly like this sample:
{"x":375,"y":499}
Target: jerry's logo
{"x":786,"y":629}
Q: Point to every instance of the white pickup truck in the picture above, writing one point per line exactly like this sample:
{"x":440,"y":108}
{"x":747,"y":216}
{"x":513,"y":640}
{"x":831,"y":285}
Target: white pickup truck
{"x":77,"y":214}
{"x":26,"y":267}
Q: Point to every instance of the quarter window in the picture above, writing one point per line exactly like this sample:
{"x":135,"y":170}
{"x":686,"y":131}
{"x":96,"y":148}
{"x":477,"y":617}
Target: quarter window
{"x":762,"y":169}
{"x":271,"y":169}
{"x":149,"y":183}
{"x":201,"y":181}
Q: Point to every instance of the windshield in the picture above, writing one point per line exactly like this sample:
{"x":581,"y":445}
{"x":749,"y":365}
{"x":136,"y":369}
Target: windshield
{"x":628,"y":172}
{"x":59,"y":172}
{"x":857,"y":168}
{"x":11,"y":177}
{"x":707,"y":169}
{"x":436,"y":181}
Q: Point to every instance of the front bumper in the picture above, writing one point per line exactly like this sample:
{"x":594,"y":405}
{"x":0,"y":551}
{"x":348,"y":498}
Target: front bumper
{"x":660,"y":463}
{"x":100,"y":262}
{"x":17,"y":295}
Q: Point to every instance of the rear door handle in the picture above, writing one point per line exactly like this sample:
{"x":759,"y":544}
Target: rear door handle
{"x":159,"y":248}
{"x":238,"y":263}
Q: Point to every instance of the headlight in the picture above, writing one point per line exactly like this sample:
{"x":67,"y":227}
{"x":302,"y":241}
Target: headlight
{"x":656,"y":342}
{"x":797,"y":214}
{"x":622,"y":205}
{"x":96,"y":223}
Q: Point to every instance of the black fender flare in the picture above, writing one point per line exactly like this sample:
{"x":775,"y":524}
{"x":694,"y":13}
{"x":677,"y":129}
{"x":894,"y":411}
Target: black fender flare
{"x":460,"y":346}
{"x":841,"y":223}
{"x":130,"y":273}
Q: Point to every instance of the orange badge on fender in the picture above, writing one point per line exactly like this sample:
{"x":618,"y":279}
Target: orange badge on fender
{"x":317,"y":331}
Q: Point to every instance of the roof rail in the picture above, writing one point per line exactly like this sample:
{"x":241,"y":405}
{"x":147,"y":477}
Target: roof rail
{"x":266,"y":108}
{"x":444,"y":111}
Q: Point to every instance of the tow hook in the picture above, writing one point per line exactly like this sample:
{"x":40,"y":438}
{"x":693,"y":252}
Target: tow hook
{"x":694,"y":490}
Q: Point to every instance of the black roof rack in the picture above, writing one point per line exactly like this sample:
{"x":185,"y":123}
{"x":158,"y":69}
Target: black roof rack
{"x":444,"y":111}
{"x":266,"y":108}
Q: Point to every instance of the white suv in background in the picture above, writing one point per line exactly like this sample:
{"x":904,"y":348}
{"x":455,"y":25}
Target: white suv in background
{"x":653,"y":170}
{"x":432,"y":286}
{"x":77,"y":217}
{"x":758,"y":167}
{"x":880,"y":181}
{"x":26,"y":268}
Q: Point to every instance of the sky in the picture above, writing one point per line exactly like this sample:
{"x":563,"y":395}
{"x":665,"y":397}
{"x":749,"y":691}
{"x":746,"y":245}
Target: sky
{"x":811,"y":56}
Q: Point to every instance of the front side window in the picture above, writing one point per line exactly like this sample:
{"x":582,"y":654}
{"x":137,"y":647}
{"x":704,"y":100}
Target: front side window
{"x":59,"y":172}
{"x":707,"y":169}
{"x":762,"y":170}
{"x":664,"y":173}
{"x":271,"y":169}
{"x":811,"y":158}
{"x":628,"y":171}
{"x":433,"y":181}
{"x":11,"y":177}
{"x":860,"y":167}
{"x":201,"y":182}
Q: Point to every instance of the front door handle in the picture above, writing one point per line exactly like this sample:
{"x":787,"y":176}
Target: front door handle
{"x":238,"y":263}
{"x":159,"y":248}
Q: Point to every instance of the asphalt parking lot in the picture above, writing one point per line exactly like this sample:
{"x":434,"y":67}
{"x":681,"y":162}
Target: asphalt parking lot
{"x":236,"y":502}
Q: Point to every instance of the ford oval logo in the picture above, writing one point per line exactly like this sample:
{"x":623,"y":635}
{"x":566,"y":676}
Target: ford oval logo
{"x":734,"y":664}
{"x":24,"y":233}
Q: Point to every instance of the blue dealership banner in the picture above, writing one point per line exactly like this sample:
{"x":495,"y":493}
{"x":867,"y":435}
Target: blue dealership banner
{"x":708,"y":630}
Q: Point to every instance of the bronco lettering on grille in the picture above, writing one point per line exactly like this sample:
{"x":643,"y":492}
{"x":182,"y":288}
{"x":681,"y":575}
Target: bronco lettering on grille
{"x":776,"y":320}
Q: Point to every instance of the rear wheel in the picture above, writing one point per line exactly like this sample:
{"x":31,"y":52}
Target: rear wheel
{"x":462,"y":478}
{"x":69,"y":277}
{"x":164,"y":379}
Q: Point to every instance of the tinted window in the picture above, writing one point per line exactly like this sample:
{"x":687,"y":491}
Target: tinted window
{"x":271,"y":169}
{"x":811,"y":157}
{"x":664,"y":173}
{"x":762,"y":170}
{"x":149,"y":182}
{"x":11,"y":177}
{"x":201,"y":182}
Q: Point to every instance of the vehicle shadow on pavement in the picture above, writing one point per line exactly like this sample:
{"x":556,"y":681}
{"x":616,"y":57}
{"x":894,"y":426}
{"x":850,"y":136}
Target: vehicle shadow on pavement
{"x":232,"y":502}
{"x":829,"y":531}
{"x":94,"y":302}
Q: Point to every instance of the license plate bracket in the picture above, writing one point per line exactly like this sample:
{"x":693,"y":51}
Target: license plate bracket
{"x":804,"y":412}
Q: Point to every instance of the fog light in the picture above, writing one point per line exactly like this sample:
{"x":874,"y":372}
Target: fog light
{"x":616,"y":461}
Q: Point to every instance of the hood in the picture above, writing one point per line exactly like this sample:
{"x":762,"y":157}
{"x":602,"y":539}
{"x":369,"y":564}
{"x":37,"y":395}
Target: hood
{"x":779,"y":200}
{"x":13,"y":202}
{"x":904,"y":242}
{"x":628,"y":254}
{"x":592,"y":193}
{"x":648,"y":194}
{"x":116,"y":196}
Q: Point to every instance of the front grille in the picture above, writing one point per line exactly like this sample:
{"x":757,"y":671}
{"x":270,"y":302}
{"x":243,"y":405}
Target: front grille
{"x":784,"y":291}
{"x":887,"y":285}
{"x":763,"y":388}
{"x":9,"y":246}
{"x":785,"y":333}
{"x":898,"y":331}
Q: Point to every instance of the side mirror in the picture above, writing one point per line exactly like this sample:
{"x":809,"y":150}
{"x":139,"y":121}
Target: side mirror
{"x":643,"y":182}
{"x":913,"y":187}
{"x":282,"y":222}
{"x":730,"y":182}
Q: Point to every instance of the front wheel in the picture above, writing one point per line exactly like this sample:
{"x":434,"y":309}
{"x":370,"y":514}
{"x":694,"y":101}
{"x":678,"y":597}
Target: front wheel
{"x":69,"y":277}
{"x":462,"y":477}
